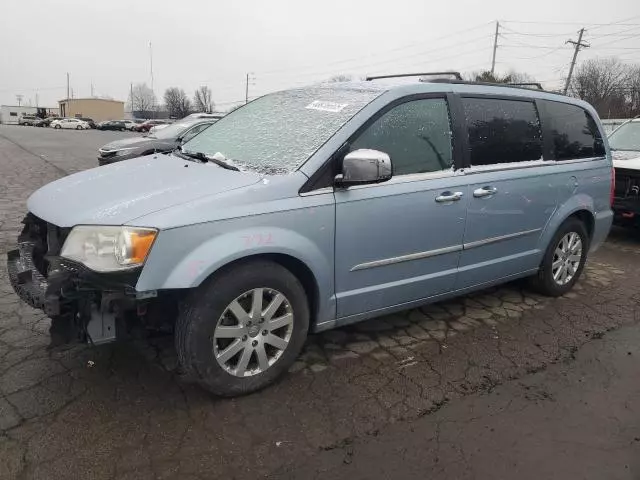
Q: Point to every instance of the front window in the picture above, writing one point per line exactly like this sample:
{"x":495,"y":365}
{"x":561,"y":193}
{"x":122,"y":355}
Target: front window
{"x":278,"y":132}
{"x":627,"y":137}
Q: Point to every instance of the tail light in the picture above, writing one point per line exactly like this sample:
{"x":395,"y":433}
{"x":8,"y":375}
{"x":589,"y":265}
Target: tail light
{"x":613,"y":186}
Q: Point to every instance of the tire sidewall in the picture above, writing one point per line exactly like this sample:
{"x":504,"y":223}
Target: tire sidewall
{"x":207,"y":304}
{"x":570,"y":225}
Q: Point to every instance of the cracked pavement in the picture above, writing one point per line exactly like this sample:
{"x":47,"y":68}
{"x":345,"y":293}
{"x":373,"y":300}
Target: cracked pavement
{"x":499,"y":384}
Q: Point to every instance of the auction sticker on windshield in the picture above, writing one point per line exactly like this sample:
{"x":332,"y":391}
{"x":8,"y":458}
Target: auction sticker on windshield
{"x":326,"y":106}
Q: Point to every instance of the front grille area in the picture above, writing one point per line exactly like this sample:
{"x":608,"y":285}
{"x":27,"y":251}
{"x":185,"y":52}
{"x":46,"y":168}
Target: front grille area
{"x":627,"y":184}
{"x":44,"y":240}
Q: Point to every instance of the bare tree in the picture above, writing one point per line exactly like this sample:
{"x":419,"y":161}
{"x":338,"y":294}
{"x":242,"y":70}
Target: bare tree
{"x":202,"y":100}
{"x":142,"y":98}
{"x":177,"y":102}
{"x":603,"y":82}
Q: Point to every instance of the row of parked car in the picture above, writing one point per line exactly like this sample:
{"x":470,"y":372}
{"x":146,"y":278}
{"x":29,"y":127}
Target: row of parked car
{"x":86,"y":123}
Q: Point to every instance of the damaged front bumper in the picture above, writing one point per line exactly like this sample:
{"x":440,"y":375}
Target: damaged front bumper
{"x":83,"y":305}
{"x":626,"y":200}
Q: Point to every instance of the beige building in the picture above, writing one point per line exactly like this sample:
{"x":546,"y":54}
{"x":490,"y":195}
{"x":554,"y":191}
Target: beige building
{"x":98,"y":109}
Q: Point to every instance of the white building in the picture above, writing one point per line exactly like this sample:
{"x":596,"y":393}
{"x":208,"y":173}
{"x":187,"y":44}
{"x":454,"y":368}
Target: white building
{"x":9,"y":114}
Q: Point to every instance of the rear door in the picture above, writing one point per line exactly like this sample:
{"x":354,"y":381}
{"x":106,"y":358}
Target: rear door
{"x":512,"y":190}
{"x":400,"y":241}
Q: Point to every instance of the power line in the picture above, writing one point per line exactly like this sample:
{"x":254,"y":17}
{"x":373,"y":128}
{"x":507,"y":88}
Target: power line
{"x":377,"y":54}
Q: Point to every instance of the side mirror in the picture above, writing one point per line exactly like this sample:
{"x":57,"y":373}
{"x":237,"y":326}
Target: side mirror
{"x":364,"y":166}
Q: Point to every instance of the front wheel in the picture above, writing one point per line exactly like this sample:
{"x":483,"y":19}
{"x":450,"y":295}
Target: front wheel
{"x":564,"y":259}
{"x":57,"y":126}
{"x":243,"y":328}
{"x":78,"y":127}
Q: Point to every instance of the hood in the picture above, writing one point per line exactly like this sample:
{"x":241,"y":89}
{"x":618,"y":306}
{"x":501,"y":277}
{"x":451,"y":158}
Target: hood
{"x":629,"y":159}
{"x":130,"y":142}
{"x":119,"y":193}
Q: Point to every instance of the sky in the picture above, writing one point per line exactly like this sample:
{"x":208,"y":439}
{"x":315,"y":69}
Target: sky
{"x":105,"y":44}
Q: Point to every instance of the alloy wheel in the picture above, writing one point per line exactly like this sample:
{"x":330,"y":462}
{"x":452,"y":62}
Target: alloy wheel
{"x":566,"y":258}
{"x":253,"y":332}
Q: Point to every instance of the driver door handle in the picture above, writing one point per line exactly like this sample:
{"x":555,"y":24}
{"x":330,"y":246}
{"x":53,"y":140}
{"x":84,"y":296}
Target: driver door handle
{"x":449,"y":197}
{"x":485,"y":192}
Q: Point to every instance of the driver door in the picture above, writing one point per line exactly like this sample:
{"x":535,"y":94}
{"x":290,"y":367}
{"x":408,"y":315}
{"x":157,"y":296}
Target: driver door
{"x":400,"y":241}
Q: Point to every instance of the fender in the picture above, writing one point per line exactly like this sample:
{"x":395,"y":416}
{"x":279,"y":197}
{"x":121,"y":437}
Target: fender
{"x":196,"y":264}
{"x":574,"y":204}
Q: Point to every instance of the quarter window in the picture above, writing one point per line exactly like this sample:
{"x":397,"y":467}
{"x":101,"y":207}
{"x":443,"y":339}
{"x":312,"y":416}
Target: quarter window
{"x":502,"y":131}
{"x":573,"y":131}
{"x":416,"y":135}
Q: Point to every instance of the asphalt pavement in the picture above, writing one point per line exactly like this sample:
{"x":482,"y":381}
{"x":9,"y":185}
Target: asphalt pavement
{"x":500,"y":384}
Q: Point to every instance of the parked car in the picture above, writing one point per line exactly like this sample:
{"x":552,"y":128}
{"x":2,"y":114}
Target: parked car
{"x":155,"y":128}
{"x":318,"y":207}
{"x":146,"y":125}
{"x":90,"y":121}
{"x":216,"y":116}
{"x":130,"y":124}
{"x":163,"y":141}
{"x":26,"y":120}
{"x":625,"y":150}
{"x":72,"y":123}
{"x":112,"y":125}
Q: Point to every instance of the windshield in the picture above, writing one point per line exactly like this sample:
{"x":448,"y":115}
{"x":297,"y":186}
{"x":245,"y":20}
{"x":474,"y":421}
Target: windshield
{"x":627,"y":137}
{"x":280,"y":131}
{"x":172,"y":131}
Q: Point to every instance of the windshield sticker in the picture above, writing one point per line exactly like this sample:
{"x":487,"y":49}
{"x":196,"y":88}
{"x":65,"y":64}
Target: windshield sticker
{"x":326,"y":106}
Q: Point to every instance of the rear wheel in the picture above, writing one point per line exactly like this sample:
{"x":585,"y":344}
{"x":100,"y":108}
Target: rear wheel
{"x":79,"y":127}
{"x":243,"y":328}
{"x":564,"y":259}
{"x":57,"y":126}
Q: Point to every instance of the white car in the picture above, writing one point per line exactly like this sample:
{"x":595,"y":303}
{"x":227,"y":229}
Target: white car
{"x":72,"y":123}
{"x":129,"y":124}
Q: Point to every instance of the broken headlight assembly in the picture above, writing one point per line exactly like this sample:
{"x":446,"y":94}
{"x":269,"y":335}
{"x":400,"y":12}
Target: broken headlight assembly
{"x":108,"y":249}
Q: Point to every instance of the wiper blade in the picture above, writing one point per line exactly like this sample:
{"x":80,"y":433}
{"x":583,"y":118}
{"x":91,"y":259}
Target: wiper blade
{"x":203,"y":157}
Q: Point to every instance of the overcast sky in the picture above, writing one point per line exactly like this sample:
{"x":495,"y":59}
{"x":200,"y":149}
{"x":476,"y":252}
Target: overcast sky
{"x":288,"y":42}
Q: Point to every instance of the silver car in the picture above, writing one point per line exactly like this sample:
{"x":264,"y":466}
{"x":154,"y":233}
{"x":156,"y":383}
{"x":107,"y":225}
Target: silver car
{"x":314,"y":208}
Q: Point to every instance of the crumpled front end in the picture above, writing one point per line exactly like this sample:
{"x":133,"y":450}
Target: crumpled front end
{"x":83,"y":305}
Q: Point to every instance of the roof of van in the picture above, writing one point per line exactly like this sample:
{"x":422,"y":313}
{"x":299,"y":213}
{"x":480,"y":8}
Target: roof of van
{"x":417,"y":87}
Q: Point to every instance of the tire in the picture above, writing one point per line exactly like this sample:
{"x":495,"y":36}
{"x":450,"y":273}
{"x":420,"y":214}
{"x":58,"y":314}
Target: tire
{"x":206,"y":310}
{"x":57,"y":126}
{"x":544,"y":281}
{"x":78,"y":127}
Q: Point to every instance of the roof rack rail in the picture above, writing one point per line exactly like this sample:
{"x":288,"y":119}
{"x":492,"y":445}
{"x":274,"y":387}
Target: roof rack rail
{"x":538,"y":85}
{"x":456,"y":75}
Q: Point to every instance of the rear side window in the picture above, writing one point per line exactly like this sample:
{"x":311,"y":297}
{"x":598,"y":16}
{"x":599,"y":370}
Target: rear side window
{"x":573,"y":131}
{"x":502,"y":131}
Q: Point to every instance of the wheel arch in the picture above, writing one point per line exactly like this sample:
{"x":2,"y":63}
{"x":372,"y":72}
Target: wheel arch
{"x":580,"y":207}
{"x":296,"y":266}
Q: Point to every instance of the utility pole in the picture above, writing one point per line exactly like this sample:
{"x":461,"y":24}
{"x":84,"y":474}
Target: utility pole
{"x":579,"y":44}
{"x":495,"y":47}
{"x":19,"y":99}
{"x":131,"y":99}
{"x":67,"y":85}
{"x":37,"y":105}
{"x":91,"y":88}
{"x":246,"y":90}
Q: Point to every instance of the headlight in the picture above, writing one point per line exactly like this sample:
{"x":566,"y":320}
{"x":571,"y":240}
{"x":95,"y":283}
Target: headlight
{"x":109,"y":249}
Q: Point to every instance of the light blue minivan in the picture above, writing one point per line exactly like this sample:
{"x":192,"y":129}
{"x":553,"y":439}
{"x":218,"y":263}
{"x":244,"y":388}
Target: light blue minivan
{"x":317,"y":207}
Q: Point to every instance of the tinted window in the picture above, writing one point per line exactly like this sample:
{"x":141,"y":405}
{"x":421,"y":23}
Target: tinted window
{"x":416,"y":135}
{"x":13,"y":114}
{"x":502,"y":131}
{"x":574,"y":132}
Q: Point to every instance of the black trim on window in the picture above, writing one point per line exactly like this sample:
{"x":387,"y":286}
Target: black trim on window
{"x":323,"y":177}
{"x":548,"y":150}
{"x":461,"y":155}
